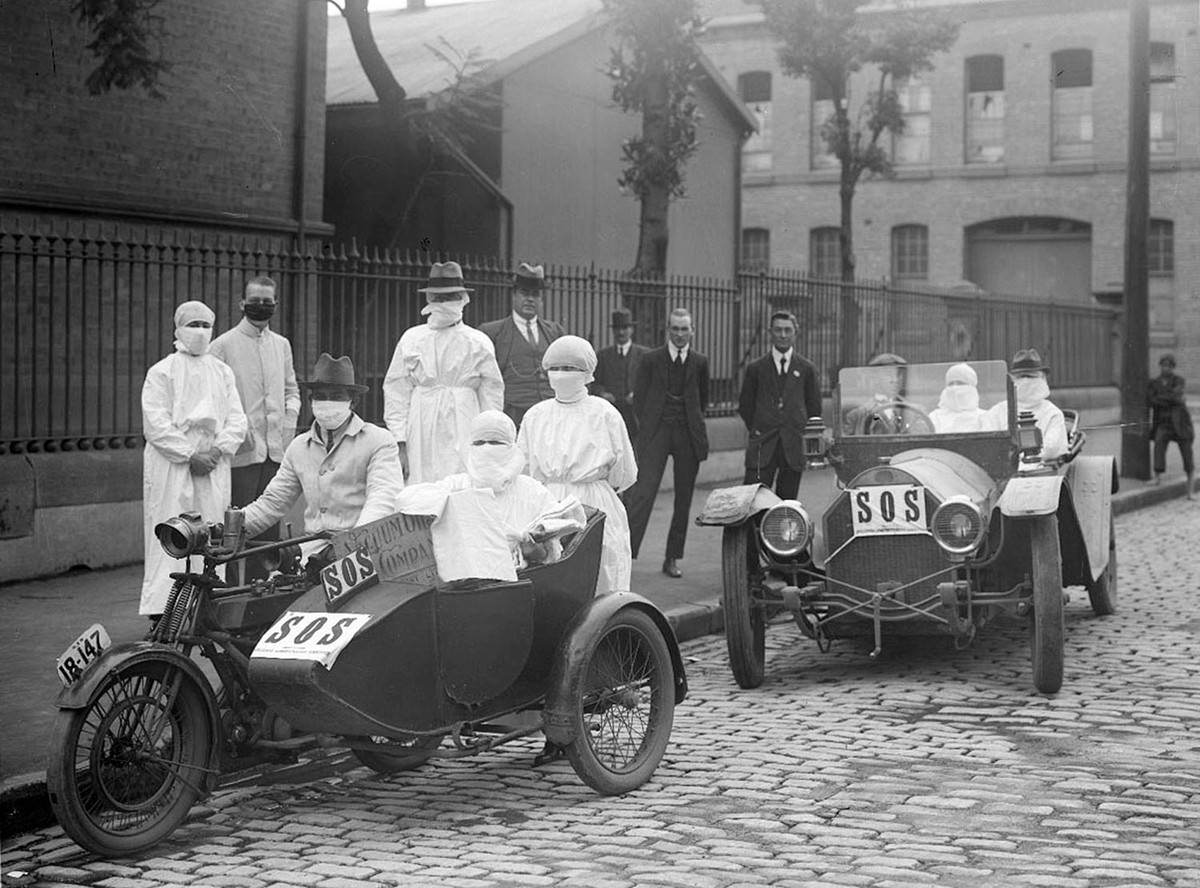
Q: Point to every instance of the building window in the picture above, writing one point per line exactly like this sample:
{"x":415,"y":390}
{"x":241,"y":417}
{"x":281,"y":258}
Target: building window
{"x":825,"y":253}
{"x":1161,"y":249}
{"x":912,"y":146}
{"x":754,"y":87}
{"x":822,"y":112}
{"x":1163,"y":132}
{"x":756,"y":249}
{"x":1072,"y":104}
{"x":910,"y":253}
{"x":985,"y":109}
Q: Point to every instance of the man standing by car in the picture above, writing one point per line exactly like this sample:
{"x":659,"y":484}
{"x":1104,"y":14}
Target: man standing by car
{"x":261,"y":361}
{"x":779,"y":394}
{"x":520,"y":341}
{"x":617,"y":367}
{"x":670,"y":396}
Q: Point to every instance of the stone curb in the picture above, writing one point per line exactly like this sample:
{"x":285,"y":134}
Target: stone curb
{"x":24,"y":805}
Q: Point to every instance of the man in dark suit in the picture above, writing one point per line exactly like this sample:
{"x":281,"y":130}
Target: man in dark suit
{"x":779,"y":394}
{"x":520,"y":341}
{"x":670,"y":395}
{"x":617,"y":367}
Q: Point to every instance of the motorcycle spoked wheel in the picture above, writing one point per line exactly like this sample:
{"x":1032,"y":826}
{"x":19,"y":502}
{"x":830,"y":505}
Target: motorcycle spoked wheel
{"x":381,"y":762}
{"x":624,"y":705}
{"x":125,"y":770}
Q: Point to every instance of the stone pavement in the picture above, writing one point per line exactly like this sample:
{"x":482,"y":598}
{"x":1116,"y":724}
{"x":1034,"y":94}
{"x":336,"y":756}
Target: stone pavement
{"x":925,"y":766}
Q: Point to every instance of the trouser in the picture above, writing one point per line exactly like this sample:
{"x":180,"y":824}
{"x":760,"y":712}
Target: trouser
{"x":247,"y":484}
{"x":670,"y":439}
{"x":1163,"y":435}
{"x":778,"y":474}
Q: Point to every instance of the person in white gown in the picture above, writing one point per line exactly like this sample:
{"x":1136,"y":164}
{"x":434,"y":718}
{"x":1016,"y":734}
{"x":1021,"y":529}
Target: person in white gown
{"x":958,"y":407}
{"x":443,"y":373}
{"x":193,"y":422}
{"x":1033,"y":396}
{"x":577,"y":444}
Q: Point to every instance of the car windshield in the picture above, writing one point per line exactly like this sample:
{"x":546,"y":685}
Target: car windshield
{"x":924,"y":399}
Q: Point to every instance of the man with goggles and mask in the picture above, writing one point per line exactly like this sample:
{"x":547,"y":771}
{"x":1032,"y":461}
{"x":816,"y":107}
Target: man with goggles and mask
{"x":443,"y":373}
{"x":491,"y":520}
{"x":577,"y":445}
{"x":347,"y":469}
{"x":193,"y":423}
{"x":1033,"y":396}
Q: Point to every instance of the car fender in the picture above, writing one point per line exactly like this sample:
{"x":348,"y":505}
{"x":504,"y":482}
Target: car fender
{"x":728,"y":506}
{"x":571,"y":660}
{"x":1092,"y":480}
{"x":1031,"y":495}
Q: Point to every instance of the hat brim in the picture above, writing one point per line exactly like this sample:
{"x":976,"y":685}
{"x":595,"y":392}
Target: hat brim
{"x":321,"y":383}
{"x":444,"y":290}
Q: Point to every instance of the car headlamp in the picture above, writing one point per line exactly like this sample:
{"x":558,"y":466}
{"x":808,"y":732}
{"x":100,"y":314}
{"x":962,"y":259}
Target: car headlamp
{"x":786,"y":529}
{"x":958,"y":525}
{"x":183,"y":535}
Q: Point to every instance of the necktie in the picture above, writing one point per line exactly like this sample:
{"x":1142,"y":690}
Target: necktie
{"x":679,"y":359}
{"x":782,"y":367}
{"x":530,"y":333}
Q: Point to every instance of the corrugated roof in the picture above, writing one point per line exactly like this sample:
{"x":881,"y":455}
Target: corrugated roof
{"x":502,"y":31}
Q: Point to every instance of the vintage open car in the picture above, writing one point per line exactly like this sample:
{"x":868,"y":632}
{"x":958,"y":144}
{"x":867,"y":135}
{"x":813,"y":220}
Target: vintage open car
{"x":928,"y":532}
{"x":378,"y":657}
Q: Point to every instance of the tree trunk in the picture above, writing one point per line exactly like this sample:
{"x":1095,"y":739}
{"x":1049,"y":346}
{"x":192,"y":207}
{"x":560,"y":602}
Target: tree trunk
{"x":358,"y":20}
{"x":848,"y":352}
{"x":655,"y":199}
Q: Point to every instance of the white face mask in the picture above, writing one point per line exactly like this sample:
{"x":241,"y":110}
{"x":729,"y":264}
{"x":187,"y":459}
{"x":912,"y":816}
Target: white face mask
{"x":494,"y":465}
{"x":445,"y":314}
{"x":568,"y":385}
{"x":331,"y":414}
{"x":194,"y":339}
{"x":959,"y":398}
{"x":1031,"y":390}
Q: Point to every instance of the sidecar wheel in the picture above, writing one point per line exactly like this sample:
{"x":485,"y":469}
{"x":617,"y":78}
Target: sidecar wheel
{"x":1048,"y":621}
{"x":1103,"y":590}
{"x":125,"y":770}
{"x":397,"y":762}
{"x":745,"y":624}
{"x":624,"y":705}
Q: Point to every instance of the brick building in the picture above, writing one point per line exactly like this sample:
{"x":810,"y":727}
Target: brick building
{"x":1011,"y":172}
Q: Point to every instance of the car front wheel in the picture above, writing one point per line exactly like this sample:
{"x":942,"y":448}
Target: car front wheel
{"x":1048,"y":621}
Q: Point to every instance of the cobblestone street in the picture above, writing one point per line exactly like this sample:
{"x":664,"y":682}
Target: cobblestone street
{"x":928,"y":766}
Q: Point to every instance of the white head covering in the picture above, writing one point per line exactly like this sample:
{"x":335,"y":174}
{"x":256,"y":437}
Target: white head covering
{"x":193,"y":311}
{"x":571,"y":351}
{"x":192,"y":340}
{"x":961,"y":394}
{"x":962,"y":373}
{"x":493,"y":465}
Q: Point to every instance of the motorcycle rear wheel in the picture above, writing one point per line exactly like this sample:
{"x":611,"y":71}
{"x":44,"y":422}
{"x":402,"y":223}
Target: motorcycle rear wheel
{"x":125,"y":770}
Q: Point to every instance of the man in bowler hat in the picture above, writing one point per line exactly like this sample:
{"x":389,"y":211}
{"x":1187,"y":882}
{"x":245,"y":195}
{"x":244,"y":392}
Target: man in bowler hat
{"x":779,"y":394}
{"x":617,"y":367}
{"x":520,"y":341}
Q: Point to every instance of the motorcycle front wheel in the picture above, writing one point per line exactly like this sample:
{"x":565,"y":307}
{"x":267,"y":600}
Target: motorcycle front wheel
{"x":125,"y":770}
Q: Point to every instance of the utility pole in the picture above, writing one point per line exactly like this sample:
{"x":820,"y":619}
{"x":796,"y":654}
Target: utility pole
{"x":1135,"y":357}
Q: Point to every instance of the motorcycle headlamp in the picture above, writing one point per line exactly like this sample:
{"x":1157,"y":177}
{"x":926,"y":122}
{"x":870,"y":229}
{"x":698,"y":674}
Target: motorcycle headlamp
{"x":183,"y":535}
{"x":958,"y":525}
{"x":786,"y":529}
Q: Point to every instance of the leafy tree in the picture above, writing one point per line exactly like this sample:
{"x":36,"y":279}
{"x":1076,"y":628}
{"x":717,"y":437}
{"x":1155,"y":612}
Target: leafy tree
{"x":828,"y":41}
{"x":654,"y":68}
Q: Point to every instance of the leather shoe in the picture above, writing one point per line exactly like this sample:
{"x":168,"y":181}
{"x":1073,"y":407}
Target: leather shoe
{"x":671,"y":569}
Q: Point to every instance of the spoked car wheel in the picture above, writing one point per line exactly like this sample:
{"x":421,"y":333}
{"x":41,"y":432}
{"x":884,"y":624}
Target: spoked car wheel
{"x":624,"y":705}
{"x":1048,"y":621}
{"x":391,"y":761}
{"x":125,"y":770}
{"x":745,"y":622}
{"x":1103,"y":590}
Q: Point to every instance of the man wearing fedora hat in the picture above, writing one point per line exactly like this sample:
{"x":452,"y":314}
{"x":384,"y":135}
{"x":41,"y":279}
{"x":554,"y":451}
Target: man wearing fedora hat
{"x":348,"y":470}
{"x":1032,"y":390}
{"x":443,"y":374}
{"x":617,"y":367}
{"x":521,"y":340}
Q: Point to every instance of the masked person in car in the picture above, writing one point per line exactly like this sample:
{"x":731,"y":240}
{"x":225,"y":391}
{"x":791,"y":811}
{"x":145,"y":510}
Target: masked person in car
{"x":1033,"y":396}
{"x":348,"y":470}
{"x":958,"y":407}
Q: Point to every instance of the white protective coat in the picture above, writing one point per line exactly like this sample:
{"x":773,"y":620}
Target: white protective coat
{"x":190,"y":403}
{"x":438,"y":381}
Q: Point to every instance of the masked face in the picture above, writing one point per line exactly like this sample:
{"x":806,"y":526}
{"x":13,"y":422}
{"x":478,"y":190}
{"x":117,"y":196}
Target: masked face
{"x":194,"y":337}
{"x":959,"y":397}
{"x":493,"y":464}
{"x":569,"y":384}
{"x":1031,"y":390}
{"x":330,"y":415}
{"x":445,"y":312}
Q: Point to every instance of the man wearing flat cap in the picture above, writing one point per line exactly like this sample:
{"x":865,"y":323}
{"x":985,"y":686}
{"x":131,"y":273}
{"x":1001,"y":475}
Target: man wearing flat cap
{"x":347,"y":469}
{"x":443,"y":374}
{"x":617,"y":367}
{"x":1170,"y":420}
{"x":520,"y":341}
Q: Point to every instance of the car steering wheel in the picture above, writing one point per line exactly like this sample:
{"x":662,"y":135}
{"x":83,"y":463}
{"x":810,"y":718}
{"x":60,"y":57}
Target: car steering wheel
{"x":894,"y":418}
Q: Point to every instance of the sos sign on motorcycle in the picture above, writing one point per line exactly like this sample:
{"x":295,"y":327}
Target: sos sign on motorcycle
{"x":309,"y":636}
{"x":888,"y":508}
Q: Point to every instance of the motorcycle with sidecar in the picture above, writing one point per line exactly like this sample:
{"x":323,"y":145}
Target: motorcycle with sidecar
{"x":377,"y":656}
{"x":929,"y":533}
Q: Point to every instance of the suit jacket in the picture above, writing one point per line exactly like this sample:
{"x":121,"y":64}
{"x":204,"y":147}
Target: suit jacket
{"x":501,"y":333}
{"x":650,"y":396}
{"x":608,"y":379}
{"x":776,"y":410}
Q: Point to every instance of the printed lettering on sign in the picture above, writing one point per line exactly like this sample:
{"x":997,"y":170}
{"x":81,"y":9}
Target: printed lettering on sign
{"x":889,"y":508}
{"x":347,"y":575}
{"x":309,"y":636}
{"x":81,"y":653}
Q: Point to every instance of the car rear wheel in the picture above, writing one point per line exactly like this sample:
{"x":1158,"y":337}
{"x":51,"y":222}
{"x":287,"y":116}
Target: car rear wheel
{"x":1048,"y":621}
{"x":745,"y":622}
{"x":1103,"y":590}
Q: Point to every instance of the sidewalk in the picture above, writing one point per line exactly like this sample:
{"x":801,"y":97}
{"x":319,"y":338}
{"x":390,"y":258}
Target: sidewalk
{"x":39,"y":618}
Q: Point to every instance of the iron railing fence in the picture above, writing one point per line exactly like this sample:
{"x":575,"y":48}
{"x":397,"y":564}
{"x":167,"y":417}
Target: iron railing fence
{"x":83,"y":314}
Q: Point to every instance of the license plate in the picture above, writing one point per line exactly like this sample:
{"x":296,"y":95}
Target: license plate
{"x":81,"y":653}
{"x":889,"y":508}
{"x":348,"y":575}
{"x":319,"y":637}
